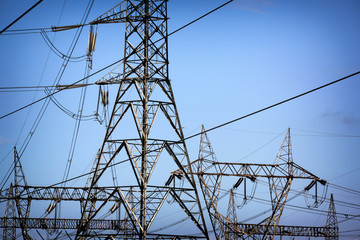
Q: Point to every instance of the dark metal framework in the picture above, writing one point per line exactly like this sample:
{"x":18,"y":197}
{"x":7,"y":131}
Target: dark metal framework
{"x":144,"y":95}
{"x":280,"y":176}
{"x":332,"y":227}
{"x":145,"y":71}
{"x":257,"y":231}
{"x":145,"y":99}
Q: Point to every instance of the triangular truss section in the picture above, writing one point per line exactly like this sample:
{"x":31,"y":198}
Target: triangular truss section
{"x":332,"y":226}
{"x":145,"y":73}
{"x":280,"y":175}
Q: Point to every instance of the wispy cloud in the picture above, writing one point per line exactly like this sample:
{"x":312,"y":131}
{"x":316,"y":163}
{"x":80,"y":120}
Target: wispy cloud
{"x":5,"y":140}
{"x":257,"y":6}
{"x":346,"y":118}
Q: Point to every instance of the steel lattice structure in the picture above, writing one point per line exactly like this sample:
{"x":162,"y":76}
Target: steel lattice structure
{"x":280,"y":176}
{"x":145,"y":71}
{"x":332,"y":229}
{"x":144,"y":95}
{"x":145,"y":101}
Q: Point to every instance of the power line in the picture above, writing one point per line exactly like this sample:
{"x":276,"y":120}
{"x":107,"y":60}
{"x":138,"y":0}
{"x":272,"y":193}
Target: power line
{"x":347,"y":173}
{"x":39,"y":30}
{"x":52,"y":94}
{"x":298,"y":193}
{"x":349,"y":218}
{"x":21,"y":16}
{"x":290,"y":206}
{"x":324,"y":134}
{"x":57,"y":52}
{"x":276,"y":104}
{"x":186,"y":25}
{"x":345,"y":189}
{"x":224,"y":124}
{"x":354,"y":230}
{"x":237,"y":119}
{"x":208,"y":130}
{"x":90,"y":75}
{"x":253,"y":112}
{"x":25,"y":87}
{"x":68,"y":86}
{"x":294,"y":207}
{"x":258,"y":149}
{"x":26,"y":31}
{"x":56,"y":81}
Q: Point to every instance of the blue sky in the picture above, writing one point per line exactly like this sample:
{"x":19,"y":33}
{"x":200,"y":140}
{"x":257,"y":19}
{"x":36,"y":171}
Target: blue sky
{"x":246,"y":56}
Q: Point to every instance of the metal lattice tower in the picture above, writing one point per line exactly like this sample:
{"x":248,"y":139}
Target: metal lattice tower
{"x":145,"y":103}
{"x":210,"y":185}
{"x":231,"y":214}
{"x":332,"y":227}
{"x":144,"y":93}
{"x":280,"y":174}
{"x":22,"y":204}
{"x":280,"y":187}
{"x":9,"y":231}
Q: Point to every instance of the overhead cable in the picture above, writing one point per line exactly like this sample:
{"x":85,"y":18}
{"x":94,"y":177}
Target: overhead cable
{"x":208,"y":130}
{"x":186,"y":25}
{"x":53,"y":29}
{"x":276,"y":104}
{"x":102,"y":69}
{"x":57,"y":51}
{"x":213,"y":128}
{"x":56,"y":82}
{"x":21,"y":16}
{"x":345,"y":189}
{"x":354,"y":230}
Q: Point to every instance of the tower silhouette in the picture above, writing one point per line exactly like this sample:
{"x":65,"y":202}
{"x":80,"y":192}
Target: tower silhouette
{"x":144,"y":130}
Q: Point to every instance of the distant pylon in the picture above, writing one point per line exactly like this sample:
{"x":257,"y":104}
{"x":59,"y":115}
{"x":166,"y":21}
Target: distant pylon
{"x":280,"y":187}
{"x":9,"y":231}
{"x":231,"y":215}
{"x":15,"y":204}
{"x":210,"y":185}
{"x":20,"y":187}
{"x":231,"y":212}
{"x":331,"y":222}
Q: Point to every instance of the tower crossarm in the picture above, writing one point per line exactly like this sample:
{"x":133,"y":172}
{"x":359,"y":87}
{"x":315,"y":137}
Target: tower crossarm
{"x":65,"y":193}
{"x":280,"y":230}
{"x":96,"y":224}
{"x":114,"y":15}
{"x":253,"y":170}
{"x":56,"y":223}
{"x":126,"y":11}
{"x":59,"y":193}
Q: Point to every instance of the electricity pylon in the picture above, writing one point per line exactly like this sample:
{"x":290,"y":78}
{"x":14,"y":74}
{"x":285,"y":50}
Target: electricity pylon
{"x":280,"y":174}
{"x":144,"y":103}
{"x":329,"y":231}
{"x":231,"y":214}
{"x":9,"y":229}
{"x":145,"y":73}
{"x":17,"y":207}
{"x":332,"y":228}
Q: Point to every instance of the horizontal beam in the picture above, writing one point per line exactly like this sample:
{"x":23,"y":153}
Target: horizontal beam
{"x":75,"y":193}
{"x":46,"y":223}
{"x":121,"y":227}
{"x":252,"y":170}
{"x":259,"y":170}
{"x":118,"y":225}
{"x":59,"y":193}
{"x":281,"y":230}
